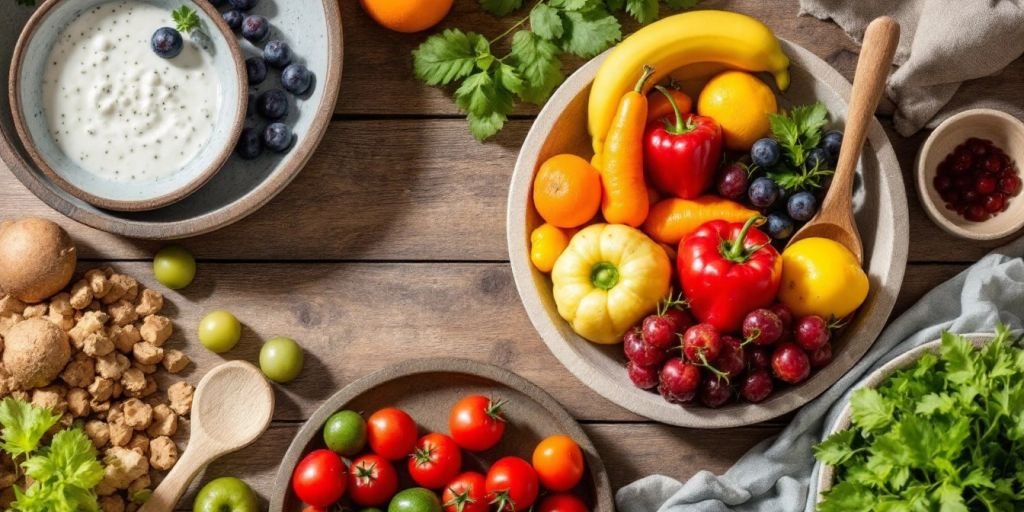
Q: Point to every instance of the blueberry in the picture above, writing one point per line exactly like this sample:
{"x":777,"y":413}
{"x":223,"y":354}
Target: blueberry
{"x":249,"y":144}
{"x":817,"y":157}
{"x":243,"y":5}
{"x":765,"y":153}
{"x":763,"y":192}
{"x":277,"y":53}
{"x":216,"y":3}
{"x":277,"y":137}
{"x":779,"y":226}
{"x":272,"y":104}
{"x":250,"y":106}
{"x":233,"y":19}
{"x":166,"y":42}
{"x":256,"y":69}
{"x":255,"y":28}
{"x":832,"y":141}
{"x":296,"y":79}
{"x":802,"y":206}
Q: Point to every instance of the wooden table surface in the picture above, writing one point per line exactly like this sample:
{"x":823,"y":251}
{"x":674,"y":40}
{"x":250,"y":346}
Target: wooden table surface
{"x":391,"y":245}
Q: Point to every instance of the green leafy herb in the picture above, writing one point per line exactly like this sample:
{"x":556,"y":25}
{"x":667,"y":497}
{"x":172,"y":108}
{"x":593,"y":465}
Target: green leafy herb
{"x":798,"y":132}
{"x":944,"y":434}
{"x":487,"y":86}
{"x":63,"y":474}
{"x":185,"y":19}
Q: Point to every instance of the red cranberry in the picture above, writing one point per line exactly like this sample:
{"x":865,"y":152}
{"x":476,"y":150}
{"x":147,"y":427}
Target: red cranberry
{"x":643,"y":377}
{"x":995,"y":203}
{"x":790,"y":363}
{"x":1010,"y":185}
{"x":679,"y":381}
{"x":822,"y":357}
{"x":977,"y":213}
{"x":979,"y":147}
{"x":942,"y":183}
{"x":702,"y":344}
{"x":986,"y":184}
{"x":757,"y":386}
{"x":732,"y":360}
{"x":994,"y":163}
{"x":715,"y":391}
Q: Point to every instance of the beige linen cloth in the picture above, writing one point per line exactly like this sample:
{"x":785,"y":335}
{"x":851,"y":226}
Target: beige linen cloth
{"x":953,"y":54}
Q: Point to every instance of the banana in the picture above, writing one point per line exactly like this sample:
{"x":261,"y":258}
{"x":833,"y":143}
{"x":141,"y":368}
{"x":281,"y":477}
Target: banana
{"x":735,"y":40}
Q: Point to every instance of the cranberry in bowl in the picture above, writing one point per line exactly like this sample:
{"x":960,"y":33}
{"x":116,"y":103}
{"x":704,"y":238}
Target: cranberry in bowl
{"x":969,"y":174}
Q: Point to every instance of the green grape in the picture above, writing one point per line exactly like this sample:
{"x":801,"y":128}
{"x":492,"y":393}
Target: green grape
{"x":174,"y":267}
{"x":219,"y":331}
{"x":281,"y":359}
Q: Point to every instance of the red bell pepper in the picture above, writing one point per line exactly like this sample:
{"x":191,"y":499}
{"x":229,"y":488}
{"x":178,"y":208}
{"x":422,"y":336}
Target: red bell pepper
{"x":728,"y":270}
{"x":681,"y":154}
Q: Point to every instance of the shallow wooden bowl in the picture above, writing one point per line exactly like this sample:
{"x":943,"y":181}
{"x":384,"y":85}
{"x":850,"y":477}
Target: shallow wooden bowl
{"x":881,"y":212}
{"x":427,"y":389}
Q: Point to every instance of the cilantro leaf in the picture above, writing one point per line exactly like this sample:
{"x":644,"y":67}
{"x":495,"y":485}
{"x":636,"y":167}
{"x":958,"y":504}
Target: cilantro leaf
{"x":23,"y":426}
{"x":572,"y":5}
{"x":588,"y":33}
{"x":185,"y":19}
{"x":487,"y":101}
{"x":869,"y":410}
{"x":545,"y":22}
{"x":536,"y":60}
{"x":644,"y":11}
{"x":836,"y":449}
{"x":448,"y":56}
{"x":500,"y":7}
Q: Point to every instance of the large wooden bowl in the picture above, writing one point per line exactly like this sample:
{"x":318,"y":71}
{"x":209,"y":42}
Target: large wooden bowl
{"x":427,"y":389}
{"x":881,"y":211}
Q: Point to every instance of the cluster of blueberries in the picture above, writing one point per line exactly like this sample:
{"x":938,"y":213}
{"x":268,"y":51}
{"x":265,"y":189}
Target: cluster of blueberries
{"x":271,"y":104}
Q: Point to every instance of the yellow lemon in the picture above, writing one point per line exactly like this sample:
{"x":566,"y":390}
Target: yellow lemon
{"x":821,"y":277}
{"x":740,"y":102}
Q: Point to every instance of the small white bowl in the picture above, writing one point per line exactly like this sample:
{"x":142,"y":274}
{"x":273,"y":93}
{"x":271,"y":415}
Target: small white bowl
{"x":1007,"y":133}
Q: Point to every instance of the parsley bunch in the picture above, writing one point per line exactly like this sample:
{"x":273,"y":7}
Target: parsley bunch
{"x":798,"y":132}
{"x":63,"y":474}
{"x":945,"y":434}
{"x":488,"y":86}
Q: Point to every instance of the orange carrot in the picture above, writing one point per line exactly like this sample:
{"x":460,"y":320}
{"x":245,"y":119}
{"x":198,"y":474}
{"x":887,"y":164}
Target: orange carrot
{"x":625,"y":198}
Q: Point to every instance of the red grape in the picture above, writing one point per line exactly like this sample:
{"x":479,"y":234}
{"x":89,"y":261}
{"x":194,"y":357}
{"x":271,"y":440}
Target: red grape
{"x":640,"y":352}
{"x":790,"y":363}
{"x":732,"y":181}
{"x":643,"y":377}
{"x":758,"y":358}
{"x":784,"y":314}
{"x":731,"y":361}
{"x":757,"y":386}
{"x":658,"y":332}
{"x":811,"y":332}
{"x":680,"y":320}
{"x":679,"y":381}
{"x":702,"y":344}
{"x":762,"y":326}
{"x":715,"y":391}
{"x":822,"y":357}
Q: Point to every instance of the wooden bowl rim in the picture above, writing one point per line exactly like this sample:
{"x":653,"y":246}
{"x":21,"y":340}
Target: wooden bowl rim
{"x":696,"y":417}
{"x":412,"y":367}
{"x":238,"y":98}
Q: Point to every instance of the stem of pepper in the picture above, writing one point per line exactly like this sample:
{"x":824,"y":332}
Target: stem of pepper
{"x":679,"y":127}
{"x":604,"y":275}
{"x":735,"y":250}
{"x":648,"y":71}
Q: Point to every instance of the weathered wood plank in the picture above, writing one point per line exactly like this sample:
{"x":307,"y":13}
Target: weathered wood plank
{"x":629,"y":451}
{"x":406,"y":190}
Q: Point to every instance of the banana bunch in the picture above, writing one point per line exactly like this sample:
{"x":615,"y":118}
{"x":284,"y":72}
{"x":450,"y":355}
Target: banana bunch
{"x":729,"y":39}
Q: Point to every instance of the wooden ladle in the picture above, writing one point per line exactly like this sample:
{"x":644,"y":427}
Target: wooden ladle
{"x":835,"y":219}
{"x":232,"y":406}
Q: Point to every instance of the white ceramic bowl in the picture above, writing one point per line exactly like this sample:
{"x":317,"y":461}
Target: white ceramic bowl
{"x":880,"y":209}
{"x":1006,"y":132}
{"x":26,"y":97}
{"x":826,"y":476}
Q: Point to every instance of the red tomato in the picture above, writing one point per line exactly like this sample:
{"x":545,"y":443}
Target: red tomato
{"x":512,"y":484}
{"x":476,"y":423}
{"x":559,"y":463}
{"x":319,"y":479}
{"x":466,"y":493}
{"x":372,"y":481}
{"x":391,"y":433}
{"x":562,"y":503}
{"x":436,"y":461}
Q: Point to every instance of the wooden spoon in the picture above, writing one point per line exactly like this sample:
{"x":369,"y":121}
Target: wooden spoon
{"x":233,"y":405}
{"x":835,"y":219}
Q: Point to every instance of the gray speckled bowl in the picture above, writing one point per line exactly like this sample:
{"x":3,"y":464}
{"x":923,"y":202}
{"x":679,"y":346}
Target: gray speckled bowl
{"x":26,"y":96}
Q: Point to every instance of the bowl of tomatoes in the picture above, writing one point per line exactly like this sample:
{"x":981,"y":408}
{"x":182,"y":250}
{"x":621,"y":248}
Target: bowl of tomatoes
{"x":734,"y":350}
{"x":442,"y":435}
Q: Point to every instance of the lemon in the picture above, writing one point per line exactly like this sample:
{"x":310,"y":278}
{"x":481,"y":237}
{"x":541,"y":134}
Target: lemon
{"x":740,"y":102}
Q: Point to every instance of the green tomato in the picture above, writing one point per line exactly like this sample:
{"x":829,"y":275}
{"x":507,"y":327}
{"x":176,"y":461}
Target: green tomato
{"x":226,"y":494}
{"x":416,"y":499}
{"x":281,"y":359}
{"x":174,"y":267}
{"x":345,"y":433}
{"x":219,"y":331}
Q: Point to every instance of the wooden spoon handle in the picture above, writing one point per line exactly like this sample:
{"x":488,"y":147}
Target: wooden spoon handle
{"x":167,"y":494}
{"x":880,"y":41}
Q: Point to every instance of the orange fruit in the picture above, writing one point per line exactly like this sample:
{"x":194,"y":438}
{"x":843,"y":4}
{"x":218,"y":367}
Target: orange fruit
{"x":567,"y":191}
{"x":547,"y":243}
{"x":407,"y":15}
{"x":740,"y":103}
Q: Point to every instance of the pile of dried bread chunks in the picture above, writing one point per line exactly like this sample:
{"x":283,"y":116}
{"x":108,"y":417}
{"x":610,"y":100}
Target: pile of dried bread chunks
{"x":92,"y":354}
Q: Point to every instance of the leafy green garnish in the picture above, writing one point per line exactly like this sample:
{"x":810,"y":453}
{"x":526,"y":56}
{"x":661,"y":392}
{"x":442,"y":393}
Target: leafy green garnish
{"x":945,"y":434}
{"x":487,"y":87}
{"x":63,"y":474}
{"x":798,"y":132}
{"x":185,"y":19}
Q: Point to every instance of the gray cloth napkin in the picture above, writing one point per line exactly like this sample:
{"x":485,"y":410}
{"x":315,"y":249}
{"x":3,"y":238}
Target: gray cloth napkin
{"x":944,"y":43}
{"x":779,"y":474}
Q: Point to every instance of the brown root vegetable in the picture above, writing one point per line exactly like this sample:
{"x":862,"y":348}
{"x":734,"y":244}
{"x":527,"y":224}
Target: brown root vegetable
{"x":35,"y":351}
{"x":37,"y":259}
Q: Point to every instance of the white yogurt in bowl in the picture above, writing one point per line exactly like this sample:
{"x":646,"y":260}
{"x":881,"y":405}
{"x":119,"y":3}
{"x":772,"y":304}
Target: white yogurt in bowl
{"x":112,"y":122}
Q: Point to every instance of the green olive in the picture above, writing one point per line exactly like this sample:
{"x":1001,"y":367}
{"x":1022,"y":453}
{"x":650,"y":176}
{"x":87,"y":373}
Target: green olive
{"x":281,"y":359}
{"x":219,"y":331}
{"x":174,"y":267}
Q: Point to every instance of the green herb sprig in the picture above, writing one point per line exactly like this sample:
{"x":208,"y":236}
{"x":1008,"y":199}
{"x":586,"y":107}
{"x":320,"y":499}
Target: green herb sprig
{"x":487,"y":87}
{"x":944,"y":434}
{"x":186,"y":20}
{"x":799,"y":131}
